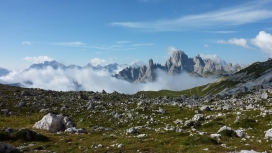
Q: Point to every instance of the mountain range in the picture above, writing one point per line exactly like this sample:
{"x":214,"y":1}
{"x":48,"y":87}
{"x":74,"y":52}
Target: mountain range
{"x":179,"y":62}
{"x":140,"y":72}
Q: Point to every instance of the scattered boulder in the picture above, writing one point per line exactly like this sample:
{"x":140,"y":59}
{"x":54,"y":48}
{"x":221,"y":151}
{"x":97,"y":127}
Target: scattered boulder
{"x":54,"y":123}
{"x":227,"y":131}
{"x":132,"y":130}
{"x":5,"y":148}
{"x":178,"y":121}
{"x":264,"y":95}
{"x":240,"y":133}
{"x":198,"y":117}
{"x":26,"y":93}
{"x":20,"y":104}
{"x":161,"y":110}
{"x":75,"y":130}
{"x":215,"y":136}
{"x":205,"y":108}
{"x":268,"y":133}
{"x":194,"y":97}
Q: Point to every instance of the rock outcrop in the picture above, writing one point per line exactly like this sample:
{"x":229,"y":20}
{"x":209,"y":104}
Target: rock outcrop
{"x":179,"y":62}
{"x":54,"y":123}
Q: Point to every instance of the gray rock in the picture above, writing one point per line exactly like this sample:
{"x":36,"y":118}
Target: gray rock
{"x":132,"y":130}
{"x":215,"y":136}
{"x":205,"y":108}
{"x":189,"y":123}
{"x":54,"y":123}
{"x":178,"y":121}
{"x":194,"y":96}
{"x":75,"y":130}
{"x":227,"y":107}
{"x":198,"y":117}
{"x":5,"y":148}
{"x":264,"y":95}
{"x":224,"y":128}
{"x":268,"y":133}
{"x":20,"y":104}
{"x":240,"y":133}
{"x":161,"y":110}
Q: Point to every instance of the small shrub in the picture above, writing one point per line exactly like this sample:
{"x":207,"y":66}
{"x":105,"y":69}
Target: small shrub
{"x":28,"y":135}
{"x":228,"y":133}
{"x":246,"y":123}
{"x":4,"y":136}
{"x":200,"y":139}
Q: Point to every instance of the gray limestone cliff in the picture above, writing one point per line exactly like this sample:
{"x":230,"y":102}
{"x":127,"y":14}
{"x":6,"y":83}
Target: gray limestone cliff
{"x":179,"y":62}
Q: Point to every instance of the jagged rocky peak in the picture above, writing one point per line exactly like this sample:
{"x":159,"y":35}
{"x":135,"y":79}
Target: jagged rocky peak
{"x":179,"y":62}
{"x":150,"y":63}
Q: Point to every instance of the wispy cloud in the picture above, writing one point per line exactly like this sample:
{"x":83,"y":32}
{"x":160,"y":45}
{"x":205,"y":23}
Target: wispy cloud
{"x":235,"y":41}
{"x":98,"y":61}
{"x":213,"y":57}
{"x":206,"y":45}
{"x":123,"y":42}
{"x":26,"y":43}
{"x":239,"y":15}
{"x":73,"y":44}
{"x":147,"y":44}
{"x":39,"y":59}
{"x":222,"y":32}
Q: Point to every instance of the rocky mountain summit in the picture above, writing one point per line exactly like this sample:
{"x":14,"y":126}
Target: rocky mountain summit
{"x":204,"y":119}
{"x":179,"y":62}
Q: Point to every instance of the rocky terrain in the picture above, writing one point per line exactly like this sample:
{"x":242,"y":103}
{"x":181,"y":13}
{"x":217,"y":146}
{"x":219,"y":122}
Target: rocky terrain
{"x":179,"y":62}
{"x":230,"y":115}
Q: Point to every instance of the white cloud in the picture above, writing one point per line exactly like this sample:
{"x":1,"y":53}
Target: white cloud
{"x":239,"y":15}
{"x":239,"y":42}
{"x":213,"y":57}
{"x":91,"y":80}
{"x":206,"y":45}
{"x":221,"y":41}
{"x":26,"y":43}
{"x":73,"y":44}
{"x":235,"y":41}
{"x":264,"y":41}
{"x":39,"y":59}
{"x":170,"y":50}
{"x":147,"y":44}
{"x":98,"y":61}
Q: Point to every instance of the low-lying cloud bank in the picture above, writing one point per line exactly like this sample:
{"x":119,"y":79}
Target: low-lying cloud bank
{"x":90,"y":80}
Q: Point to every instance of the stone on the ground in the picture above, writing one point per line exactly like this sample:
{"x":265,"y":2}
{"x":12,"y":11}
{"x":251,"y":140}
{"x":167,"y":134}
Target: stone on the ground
{"x":54,"y":123}
{"x":5,"y":148}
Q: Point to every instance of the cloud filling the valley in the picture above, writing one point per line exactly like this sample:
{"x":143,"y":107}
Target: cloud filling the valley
{"x":90,"y":80}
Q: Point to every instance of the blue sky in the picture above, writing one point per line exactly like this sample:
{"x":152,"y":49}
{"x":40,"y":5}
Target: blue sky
{"x":124,"y":31}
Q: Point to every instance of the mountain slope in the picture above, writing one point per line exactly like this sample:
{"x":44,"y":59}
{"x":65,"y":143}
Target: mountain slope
{"x":255,"y":77}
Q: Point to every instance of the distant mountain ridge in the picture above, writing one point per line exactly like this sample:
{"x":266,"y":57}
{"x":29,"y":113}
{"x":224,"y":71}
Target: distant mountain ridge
{"x":112,"y":68}
{"x":3,"y":71}
{"x":179,"y":62}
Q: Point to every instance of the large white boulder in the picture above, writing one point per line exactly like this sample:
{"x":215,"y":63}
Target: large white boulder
{"x":54,"y":123}
{"x":268,"y":133}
